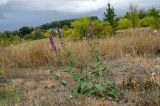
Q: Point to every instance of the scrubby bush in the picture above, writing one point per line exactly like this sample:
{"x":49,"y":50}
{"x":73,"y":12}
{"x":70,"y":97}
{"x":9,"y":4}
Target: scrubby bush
{"x":5,"y":41}
{"x":147,"y":21}
{"x":69,"y":33}
{"x":105,"y":30}
{"x":83,"y":26}
{"x":37,"y":34}
{"x":142,"y":14}
{"x":156,"y":22}
{"x":153,"y":12}
{"x":28,"y":37}
{"x":132,"y":15}
{"x":25,"y":30}
{"x":124,"y":24}
{"x":79,"y":26}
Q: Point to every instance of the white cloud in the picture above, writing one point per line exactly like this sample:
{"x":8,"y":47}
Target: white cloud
{"x":74,"y":6}
{"x":17,"y":13}
{"x":2,"y":2}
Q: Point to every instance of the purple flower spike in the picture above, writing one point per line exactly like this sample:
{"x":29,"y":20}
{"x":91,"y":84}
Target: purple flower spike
{"x":52,"y":43}
{"x":90,"y":23}
{"x":59,"y":34}
{"x":94,"y":31}
{"x":85,"y":33}
{"x":46,"y":60}
{"x":91,"y":27}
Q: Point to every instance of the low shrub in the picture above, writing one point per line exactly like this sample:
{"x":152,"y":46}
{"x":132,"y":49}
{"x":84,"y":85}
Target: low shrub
{"x":9,"y":96}
{"x":147,"y":21}
{"x":5,"y":41}
{"x":156,"y":22}
{"x":82,"y":26}
{"x":124,"y":24}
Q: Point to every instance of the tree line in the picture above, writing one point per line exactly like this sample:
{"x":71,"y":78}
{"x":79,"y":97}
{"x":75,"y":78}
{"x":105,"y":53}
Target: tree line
{"x":74,"y":28}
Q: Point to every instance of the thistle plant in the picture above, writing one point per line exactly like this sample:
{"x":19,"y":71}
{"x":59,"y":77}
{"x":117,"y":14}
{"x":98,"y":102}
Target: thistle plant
{"x":90,"y":79}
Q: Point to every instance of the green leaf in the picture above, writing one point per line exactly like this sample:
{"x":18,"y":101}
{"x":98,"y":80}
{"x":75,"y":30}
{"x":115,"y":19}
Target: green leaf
{"x":87,"y":74}
{"x":71,"y":61}
{"x":90,"y":91}
{"x":68,"y":69}
{"x":75,"y":75}
{"x":75,"y":92}
{"x":94,"y":67}
{"x":94,"y":79}
{"x":55,"y":77}
{"x":64,"y":83}
{"x":110,"y":82}
{"x":82,"y":86}
{"x":113,"y":92}
{"x":82,"y":79}
{"x":105,"y":68}
{"x":99,"y":87}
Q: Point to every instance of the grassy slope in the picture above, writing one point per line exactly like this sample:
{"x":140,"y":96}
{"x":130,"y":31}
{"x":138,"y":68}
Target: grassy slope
{"x":132,"y":56}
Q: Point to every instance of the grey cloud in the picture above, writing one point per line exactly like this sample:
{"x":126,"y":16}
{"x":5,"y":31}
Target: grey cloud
{"x":73,"y":6}
{"x":2,"y":16}
{"x":17,"y":13}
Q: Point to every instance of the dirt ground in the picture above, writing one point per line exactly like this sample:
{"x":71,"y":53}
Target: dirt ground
{"x":38,"y":88}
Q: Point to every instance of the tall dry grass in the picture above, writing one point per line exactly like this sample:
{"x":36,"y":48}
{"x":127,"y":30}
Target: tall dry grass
{"x":138,"y":42}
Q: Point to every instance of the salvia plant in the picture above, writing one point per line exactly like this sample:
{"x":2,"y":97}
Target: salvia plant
{"x":92,"y":82}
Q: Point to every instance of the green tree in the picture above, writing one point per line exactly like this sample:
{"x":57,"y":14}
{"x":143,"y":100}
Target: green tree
{"x":109,"y":15}
{"x":105,"y":30}
{"x":78,"y":27}
{"x":37,"y":34}
{"x":153,"y":12}
{"x":124,"y":24}
{"x":25,"y":30}
{"x":156,"y":22}
{"x":83,"y":24}
{"x":142,"y":14}
{"x":133,"y":15}
{"x":147,"y":21}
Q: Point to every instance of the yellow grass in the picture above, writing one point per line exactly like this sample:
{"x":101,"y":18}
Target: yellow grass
{"x":138,"y":42}
{"x":130,"y":53}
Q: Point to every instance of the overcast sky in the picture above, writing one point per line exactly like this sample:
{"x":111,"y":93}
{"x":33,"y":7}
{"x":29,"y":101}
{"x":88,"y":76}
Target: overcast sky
{"x":17,"y":13}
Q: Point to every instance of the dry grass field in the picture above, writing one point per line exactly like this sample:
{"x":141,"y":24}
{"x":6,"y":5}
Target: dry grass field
{"x":132,"y":57}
